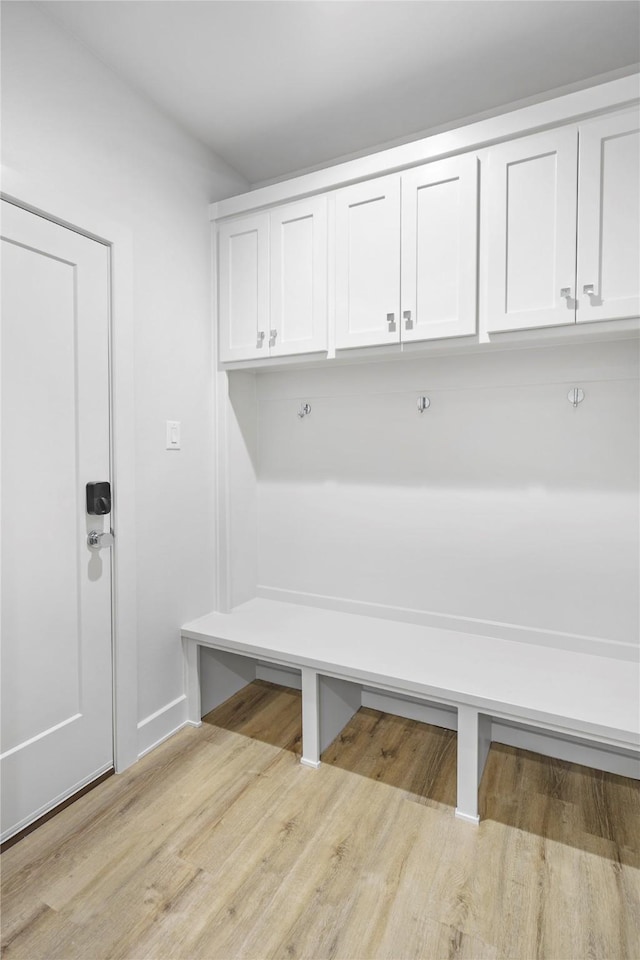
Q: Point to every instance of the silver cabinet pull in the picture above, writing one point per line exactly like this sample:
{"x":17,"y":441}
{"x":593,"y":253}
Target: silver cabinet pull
{"x":260,"y":342}
{"x":589,"y":290}
{"x":272,"y":337}
{"x":391,"y":320}
{"x":408,"y":322}
{"x":565,"y":292}
{"x":99,"y":540}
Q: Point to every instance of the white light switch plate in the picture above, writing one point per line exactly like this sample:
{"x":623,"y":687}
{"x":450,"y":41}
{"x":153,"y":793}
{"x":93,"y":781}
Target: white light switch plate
{"x":173,"y":434}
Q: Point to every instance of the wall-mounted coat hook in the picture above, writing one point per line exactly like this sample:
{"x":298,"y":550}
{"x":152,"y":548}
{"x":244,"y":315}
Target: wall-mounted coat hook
{"x":304,"y":410}
{"x":575,"y":396}
{"x":423,"y":404}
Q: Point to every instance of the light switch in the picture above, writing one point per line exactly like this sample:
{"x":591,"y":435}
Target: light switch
{"x":173,"y":434}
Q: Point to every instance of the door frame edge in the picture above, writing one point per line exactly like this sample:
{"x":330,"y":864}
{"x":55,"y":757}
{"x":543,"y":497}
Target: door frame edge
{"x":49,"y":203}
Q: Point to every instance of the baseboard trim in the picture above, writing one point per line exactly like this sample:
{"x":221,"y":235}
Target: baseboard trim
{"x":159,"y":726}
{"x":313,"y":764}
{"x":598,"y":646}
{"x":467,"y":817}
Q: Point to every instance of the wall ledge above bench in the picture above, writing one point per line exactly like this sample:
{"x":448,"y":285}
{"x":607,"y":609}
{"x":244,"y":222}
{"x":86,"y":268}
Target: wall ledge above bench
{"x":597,"y":646}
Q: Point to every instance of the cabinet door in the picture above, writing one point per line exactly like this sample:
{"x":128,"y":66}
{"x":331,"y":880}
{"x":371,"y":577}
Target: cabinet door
{"x":299,"y":277}
{"x":439,"y":249}
{"x":609,"y":218}
{"x":243,"y":258}
{"x":368,"y":263}
{"x":532,"y":231}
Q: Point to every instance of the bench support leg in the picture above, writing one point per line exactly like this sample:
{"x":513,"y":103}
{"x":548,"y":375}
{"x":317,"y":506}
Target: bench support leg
{"x":328,"y":704}
{"x":192,"y":681}
{"x":310,"y":718}
{"x":474,"y":740}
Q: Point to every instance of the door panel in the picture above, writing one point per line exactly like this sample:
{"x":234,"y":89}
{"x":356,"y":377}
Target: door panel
{"x":532,"y":235}
{"x":299,"y":277}
{"x":439,"y":249}
{"x":56,"y":591}
{"x":243,"y":247}
{"x":609,"y":218}
{"x":368,"y":263}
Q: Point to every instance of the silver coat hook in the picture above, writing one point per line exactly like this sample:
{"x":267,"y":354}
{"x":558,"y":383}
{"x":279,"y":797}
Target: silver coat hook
{"x":423,"y":404}
{"x":304,"y":410}
{"x":575,"y":396}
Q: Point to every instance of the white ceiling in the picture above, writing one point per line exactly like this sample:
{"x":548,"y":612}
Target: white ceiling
{"x":276,"y":87}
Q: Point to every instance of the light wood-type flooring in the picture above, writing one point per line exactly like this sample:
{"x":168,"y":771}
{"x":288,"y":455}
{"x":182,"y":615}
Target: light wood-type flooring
{"x":219,"y":844}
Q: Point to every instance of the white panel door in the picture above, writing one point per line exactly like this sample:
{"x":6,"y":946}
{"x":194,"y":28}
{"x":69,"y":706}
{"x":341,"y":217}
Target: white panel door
{"x":56,"y":590}
{"x":368,"y":263}
{"x":298,"y":322}
{"x":243,"y":260}
{"x":532,"y":231}
{"x":439,"y":249}
{"x":609,"y":218}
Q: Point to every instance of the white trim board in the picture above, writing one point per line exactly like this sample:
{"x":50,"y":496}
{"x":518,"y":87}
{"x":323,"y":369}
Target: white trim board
{"x":567,"y":108}
{"x":159,"y":726}
{"x":596,"y":646}
{"x":48,"y":203}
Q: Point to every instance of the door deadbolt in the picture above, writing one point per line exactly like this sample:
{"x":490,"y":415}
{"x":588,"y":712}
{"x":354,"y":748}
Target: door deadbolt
{"x":99,"y":498}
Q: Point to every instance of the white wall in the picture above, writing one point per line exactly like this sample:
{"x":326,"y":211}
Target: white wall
{"x":74,"y":127}
{"x":501,"y":505}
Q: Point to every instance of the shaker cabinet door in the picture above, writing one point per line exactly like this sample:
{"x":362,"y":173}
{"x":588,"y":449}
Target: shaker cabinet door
{"x":243,"y":260}
{"x":439,"y":249}
{"x":609,"y":218}
{"x":367,"y":251}
{"x":298,"y":322}
{"x":532,"y":231}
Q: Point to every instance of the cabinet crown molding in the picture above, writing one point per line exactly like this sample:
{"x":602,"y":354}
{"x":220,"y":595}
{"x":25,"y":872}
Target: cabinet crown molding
{"x":568,"y":108}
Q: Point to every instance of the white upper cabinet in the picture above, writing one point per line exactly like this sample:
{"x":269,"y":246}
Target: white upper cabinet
{"x":553,"y":218}
{"x":273,"y":282}
{"x":243,"y":276}
{"x":439,"y":249}
{"x":532,"y":231}
{"x":367,"y":250}
{"x":609,"y":218}
{"x":406,"y":255}
{"x":299,"y":278}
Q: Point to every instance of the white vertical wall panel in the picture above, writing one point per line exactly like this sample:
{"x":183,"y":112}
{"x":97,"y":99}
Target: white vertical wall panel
{"x":243,"y":492}
{"x":367,"y":266}
{"x":609,"y":218}
{"x":532,"y":234}
{"x":439,"y":249}
{"x":243,"y":249}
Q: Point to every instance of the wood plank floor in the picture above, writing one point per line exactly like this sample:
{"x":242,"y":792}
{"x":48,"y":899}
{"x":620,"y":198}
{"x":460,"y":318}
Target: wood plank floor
{"x":220,"y":845}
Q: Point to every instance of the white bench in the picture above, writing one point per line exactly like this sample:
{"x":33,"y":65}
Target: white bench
{"x":572,"y":694}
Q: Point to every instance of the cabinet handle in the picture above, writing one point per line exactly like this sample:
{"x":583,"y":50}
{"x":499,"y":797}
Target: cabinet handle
{"x":260,"y":342}
{"x":565,"y":292}
{"x":272,"y":337}
{"x":408,"y":322}
{"x":589,"y":290}
{"x":391,"y":320}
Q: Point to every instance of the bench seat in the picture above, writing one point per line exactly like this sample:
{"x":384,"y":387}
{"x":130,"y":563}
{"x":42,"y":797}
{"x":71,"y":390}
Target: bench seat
{"x":576,"y":694}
